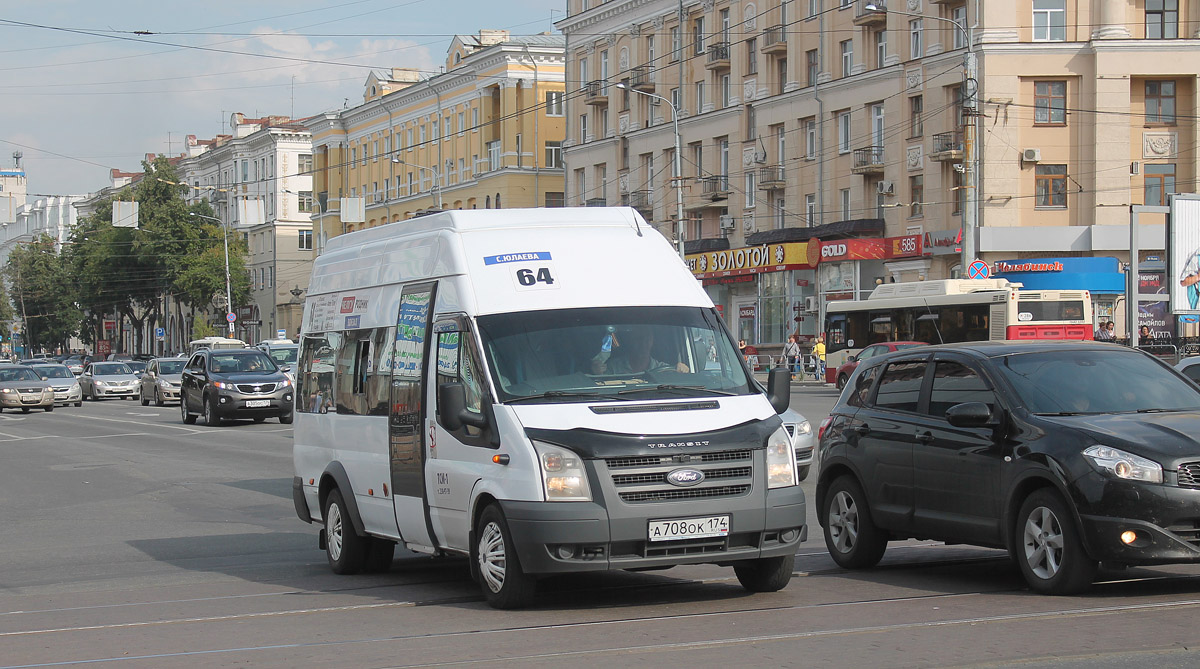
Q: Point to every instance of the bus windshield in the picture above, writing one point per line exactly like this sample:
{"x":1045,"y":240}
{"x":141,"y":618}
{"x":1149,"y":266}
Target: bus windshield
{"x":613,"y":353}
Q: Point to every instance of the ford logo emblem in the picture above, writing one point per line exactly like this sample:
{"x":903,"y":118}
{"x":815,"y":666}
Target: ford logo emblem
{"x":685,"y":477}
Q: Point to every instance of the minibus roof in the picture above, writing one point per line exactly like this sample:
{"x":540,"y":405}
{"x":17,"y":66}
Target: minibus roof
{"x":595,"y":256}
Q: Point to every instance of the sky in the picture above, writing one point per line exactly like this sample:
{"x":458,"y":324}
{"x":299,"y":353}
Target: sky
{"x":81,"y":93}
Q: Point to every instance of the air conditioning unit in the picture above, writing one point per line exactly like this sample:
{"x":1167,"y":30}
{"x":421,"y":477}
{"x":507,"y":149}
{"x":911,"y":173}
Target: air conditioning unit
{"x":727,"y":222}
{"x":1135,"y":167}
{"x":811,"y":305}
{"x":885,"y":188}
{"x":1031,"y":156}
{"x":378,"y":198}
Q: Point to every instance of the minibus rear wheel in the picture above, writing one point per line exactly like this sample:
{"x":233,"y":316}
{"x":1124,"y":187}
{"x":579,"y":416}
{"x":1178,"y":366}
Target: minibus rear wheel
{"x":504,"y":583}
{"x":345,"y":549}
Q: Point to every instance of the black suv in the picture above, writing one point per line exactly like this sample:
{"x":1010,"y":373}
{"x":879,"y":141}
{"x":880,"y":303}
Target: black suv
{"x":1064,"y":453}
{"x":235,"y":383}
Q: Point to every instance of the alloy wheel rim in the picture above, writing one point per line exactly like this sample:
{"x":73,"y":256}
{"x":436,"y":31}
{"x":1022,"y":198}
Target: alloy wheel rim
{"x":1043,"y":543}
{"x":843,"y":522}
{"x":492,"y":562}
{"x":333,"y":531}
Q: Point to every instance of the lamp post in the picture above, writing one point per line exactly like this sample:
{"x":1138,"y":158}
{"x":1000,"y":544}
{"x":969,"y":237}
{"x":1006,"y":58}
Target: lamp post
{"x":228,"y":285}
{"x":970,"y":135}
{"x":678,"y":165}
{"x":437,"y":177}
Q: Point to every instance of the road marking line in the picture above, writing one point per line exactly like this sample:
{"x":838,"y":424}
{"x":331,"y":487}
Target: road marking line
{"x":45,"y":436}
{"x":138,"y":422}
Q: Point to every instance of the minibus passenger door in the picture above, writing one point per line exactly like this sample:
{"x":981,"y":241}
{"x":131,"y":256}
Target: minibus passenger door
{"x":460,"y":452}
{"x":406,"y":414}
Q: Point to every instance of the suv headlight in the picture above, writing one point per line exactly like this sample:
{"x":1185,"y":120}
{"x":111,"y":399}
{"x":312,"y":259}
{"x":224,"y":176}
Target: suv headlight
{"x":563,"y":475}
{"x":223,"y":385}
{"x":1123,"y":465}
{"x":781,"y":460}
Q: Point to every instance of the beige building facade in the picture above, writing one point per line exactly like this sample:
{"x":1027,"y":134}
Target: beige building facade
{"x":485,"y":133}
{"x":818,"y":122}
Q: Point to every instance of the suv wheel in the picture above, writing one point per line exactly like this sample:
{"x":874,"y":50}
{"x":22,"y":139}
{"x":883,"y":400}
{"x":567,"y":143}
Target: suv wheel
{"x":189,"y":418}
{"x":1049,"y":550}
{"x":210,"y":412}
{"x":850,"y":535}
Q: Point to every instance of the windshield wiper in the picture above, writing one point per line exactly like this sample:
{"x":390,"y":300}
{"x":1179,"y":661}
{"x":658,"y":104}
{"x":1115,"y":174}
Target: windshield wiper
{"x":550,"y":394}
{"x":1064,"y":413}
{"x":669,"y":386}
{"x":1162,"y":410}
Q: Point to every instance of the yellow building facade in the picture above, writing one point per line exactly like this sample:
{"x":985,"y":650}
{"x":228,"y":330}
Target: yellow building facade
{"x":486,"y":133}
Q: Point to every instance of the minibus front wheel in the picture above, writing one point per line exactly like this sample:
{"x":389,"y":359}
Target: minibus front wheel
{"x":504,"y":583}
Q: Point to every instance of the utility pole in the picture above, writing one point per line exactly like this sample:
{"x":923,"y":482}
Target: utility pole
{"x":24,"y":317}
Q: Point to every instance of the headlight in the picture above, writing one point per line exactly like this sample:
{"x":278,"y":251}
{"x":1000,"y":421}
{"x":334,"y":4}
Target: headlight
{"x":285,"y":383}
{"x":163,"y":383}
{"x":7,"y":390}
{"x":804,"y":428}
{"x":223,"y":385}
{"x":99,"y":383}
{"x":563,"y":476}
{"x":1124,"y":465}
{"x":781,"y":460}
{"x":75,"y":386}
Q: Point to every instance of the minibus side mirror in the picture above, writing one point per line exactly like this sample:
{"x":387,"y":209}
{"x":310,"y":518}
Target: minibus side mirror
{"x":452,"y":409}
{"x":779,"y":388}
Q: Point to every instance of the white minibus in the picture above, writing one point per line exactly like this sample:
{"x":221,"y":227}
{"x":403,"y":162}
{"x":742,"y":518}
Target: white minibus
{"x":542,"y":391}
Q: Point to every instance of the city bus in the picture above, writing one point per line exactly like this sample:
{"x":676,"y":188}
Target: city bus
{"x":953,"y":310}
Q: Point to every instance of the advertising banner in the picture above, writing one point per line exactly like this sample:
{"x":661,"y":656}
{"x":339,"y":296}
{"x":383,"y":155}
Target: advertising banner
{"x":1183,"y":251}
{"x":750,"y":260}
{"x":1155,"y":315}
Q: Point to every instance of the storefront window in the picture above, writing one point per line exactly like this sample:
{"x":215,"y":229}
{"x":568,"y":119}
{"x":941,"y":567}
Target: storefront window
{"x":775,"y":319}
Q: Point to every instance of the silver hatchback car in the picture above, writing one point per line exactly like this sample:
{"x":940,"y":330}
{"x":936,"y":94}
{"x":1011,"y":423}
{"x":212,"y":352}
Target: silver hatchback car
{"x":160,"y":382}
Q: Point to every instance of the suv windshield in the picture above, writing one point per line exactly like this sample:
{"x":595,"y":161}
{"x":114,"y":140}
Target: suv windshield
{"x":589,"y":354}
{"x":54,"y":372}
{"x":1110,"y":381}
{"x":242,"y":363}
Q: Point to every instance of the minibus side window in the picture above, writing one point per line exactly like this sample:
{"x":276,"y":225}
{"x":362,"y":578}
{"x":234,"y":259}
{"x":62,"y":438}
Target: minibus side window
{"x":458,"y":362}
{"x":379,"y":378}
{"x":354,"y":366}
{"x":315,"y":378}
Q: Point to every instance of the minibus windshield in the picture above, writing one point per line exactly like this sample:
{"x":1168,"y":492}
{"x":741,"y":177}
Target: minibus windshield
{"x":611,"y":353}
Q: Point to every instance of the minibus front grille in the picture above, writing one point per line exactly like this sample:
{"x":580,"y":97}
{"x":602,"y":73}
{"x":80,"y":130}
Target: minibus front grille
{"x":661,"y":477}
{"x":676,"y":494}
{"x":676,"y":460}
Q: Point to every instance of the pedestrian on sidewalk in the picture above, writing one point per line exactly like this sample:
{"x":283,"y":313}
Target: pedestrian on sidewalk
{"x":818,"y":352}
{"x":791,"y":351}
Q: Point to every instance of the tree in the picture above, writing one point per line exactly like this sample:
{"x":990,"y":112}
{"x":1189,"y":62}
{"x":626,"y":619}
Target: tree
{"x":40,"y":285}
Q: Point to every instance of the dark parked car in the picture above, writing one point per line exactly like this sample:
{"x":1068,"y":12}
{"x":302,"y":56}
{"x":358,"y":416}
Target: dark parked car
{"x":224,"y":384}
{"x":1064,"y":453}
{"x":846,"y":369}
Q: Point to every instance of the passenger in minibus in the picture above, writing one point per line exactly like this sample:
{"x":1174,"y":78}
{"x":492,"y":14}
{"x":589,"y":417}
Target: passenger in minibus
{"x":634,"y":356}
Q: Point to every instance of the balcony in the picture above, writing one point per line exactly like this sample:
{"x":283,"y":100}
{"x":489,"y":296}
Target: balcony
{"x":715,"y":187}
{"x":595,"y":202}
{"x":771,"y":178}
{"x":718,"y":56}
{"x":643,"y":202}
{"x":868,"y":160}
{"x":774,"y":41}
{"x":875,"y":16}
{"x":641,"y":78}
{"x":948,"y":146}
{"x":596,"y":93}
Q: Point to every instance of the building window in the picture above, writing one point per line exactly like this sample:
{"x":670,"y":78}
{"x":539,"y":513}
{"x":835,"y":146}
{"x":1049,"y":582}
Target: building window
{"x":306,"y":200}
{"x":306,"y":240}
{"x":698,"y":37}
{"x":1050,"y":102}
{"x":916,"y":189}
{"x":1160,"y":102}
{"x":843,"y":119}
{"x":726,"y":91}
{"x":555,"y":199}
{"x":554,"y":154}
{"x":493,"y":149}
{"x":959,"y":16}
{"x":750,"y":186}
{"x":1049,"y":20}
{"x":847,"y":47}
{"x":916,"y":38}
{"x":810,"y":209}
{"x":699,"y":96}
{"x":1160,"y":182}
{"x":675,"y":101}
{"x":1162,"y":19}
{"x":811,"y":63}
{"x":752,"y":56}
{"x":305,"y":163}
{"x":959,"y":180}
{"x":845,"y":197}
{"x":583,"y":127}
{"x":916,"y":126}
{"x":810,"y":139}
{"x":1050,"y":187}
{"x":676,"y":43}
{"x":880,"y":47}
{"x":554,"y":103}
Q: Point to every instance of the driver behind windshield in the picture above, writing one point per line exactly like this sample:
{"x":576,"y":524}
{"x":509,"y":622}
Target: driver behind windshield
{"x":631,"y":354}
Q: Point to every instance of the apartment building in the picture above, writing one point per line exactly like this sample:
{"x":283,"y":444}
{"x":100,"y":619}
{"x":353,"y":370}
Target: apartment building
{"x":258,"y":180}
{"x":487,"y":132}
{"x":824,"y":143}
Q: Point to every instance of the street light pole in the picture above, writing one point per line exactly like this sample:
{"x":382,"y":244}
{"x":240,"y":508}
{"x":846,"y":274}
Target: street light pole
{"x":970,"y":134}
{"x":437,"y":177}
{"x":228,"y":283}
{"x":678,"y":165}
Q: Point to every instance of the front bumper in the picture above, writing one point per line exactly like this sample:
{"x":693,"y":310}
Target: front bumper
{"x":760,"y":526}
{"x":1165,"y":517}
{"x":24,"y":401}
{"x":115,"y":391}
{"x":234,"y":404}
{"x":68,"y":396}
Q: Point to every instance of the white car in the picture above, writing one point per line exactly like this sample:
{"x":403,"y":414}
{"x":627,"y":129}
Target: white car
{"x":108,"y":379}
{"x":66,"y":388}
{"x":802,"y":441}
{"x":1190,"y":367}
